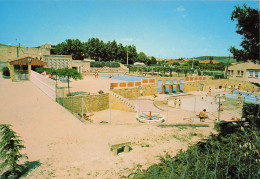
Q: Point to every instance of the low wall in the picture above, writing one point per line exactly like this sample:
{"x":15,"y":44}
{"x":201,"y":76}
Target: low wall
{"x":215,"y":84}
{"x":148,"y":90}
{"x":94,"y":103}
{"x":108,"y":70}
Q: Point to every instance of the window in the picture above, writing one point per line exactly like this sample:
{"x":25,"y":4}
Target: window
{"x":238,"y":73}
{"x":256,"y":73}
{"x":242,"y":73}
{"x":232,"y":71}
{"x":250,"y":73}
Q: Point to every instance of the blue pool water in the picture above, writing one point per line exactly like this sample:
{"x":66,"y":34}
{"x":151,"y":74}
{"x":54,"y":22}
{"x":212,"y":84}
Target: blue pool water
{"x":248,"y":97}
{"x":125,"y":77}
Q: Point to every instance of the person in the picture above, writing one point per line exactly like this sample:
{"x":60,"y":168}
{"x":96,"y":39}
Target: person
{"x":241,"y":99}
{"x":209,"y":90}
{"x":239,"y":86}
{"x":224,"y":96}
{"x":215,"y":99}
{"x":175,"y":102}
{"x":226,"y":87}
{"x":203,"y":115}
{"x":179,"y":103}
{"x":256,"y":99}
{"x":221,"y":107}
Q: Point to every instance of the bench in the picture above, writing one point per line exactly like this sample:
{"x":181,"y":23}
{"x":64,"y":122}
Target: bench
{"x":115,"y":147}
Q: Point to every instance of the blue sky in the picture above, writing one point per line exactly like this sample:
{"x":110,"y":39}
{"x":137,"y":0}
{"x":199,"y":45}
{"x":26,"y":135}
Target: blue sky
{"x":160,"y":28}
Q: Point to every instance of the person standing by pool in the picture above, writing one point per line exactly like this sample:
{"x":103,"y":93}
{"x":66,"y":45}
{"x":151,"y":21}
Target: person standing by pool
{"x":225,"y":97}
{"x":175,"y":102}
{"x":215,"y":99}
{"x":209,"y":90}
{"x":180,"y":103}
{"x":256,"y":99}
{"x":241,"y":98}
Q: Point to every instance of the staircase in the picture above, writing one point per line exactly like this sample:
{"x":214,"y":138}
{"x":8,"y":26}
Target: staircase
{"x":124,"y":100}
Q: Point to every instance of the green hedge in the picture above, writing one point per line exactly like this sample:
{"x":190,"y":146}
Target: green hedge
{"x":107,"y":64}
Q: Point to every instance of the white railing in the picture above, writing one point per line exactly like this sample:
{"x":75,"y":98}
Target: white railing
{"x":45,"y":84}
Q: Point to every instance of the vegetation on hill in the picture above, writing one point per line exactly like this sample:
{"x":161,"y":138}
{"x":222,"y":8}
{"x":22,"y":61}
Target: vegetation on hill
{"x":223,"y":59}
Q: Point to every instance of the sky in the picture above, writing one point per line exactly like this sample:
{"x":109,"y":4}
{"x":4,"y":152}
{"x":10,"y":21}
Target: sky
{"x":160,"y":28}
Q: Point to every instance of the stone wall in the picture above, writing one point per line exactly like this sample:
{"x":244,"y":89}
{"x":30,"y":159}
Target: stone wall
{"x":10,"y":52}
{"x":94,"y":103}
{"x":148,"y":90}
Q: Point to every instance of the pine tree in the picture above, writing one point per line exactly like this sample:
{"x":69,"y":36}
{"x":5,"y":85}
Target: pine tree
{"x":10,"y":151}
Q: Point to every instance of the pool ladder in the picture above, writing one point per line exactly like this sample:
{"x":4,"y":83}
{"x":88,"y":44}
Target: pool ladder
{"x":124,"y":100}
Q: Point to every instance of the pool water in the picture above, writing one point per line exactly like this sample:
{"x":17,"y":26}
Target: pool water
{"x":248,"y":97}
{"x":125,"y":77}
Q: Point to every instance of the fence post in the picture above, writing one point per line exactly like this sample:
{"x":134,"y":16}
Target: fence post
{"x":71,"y":103}
{"x":63,"y":96}
{"x":82,"y":109}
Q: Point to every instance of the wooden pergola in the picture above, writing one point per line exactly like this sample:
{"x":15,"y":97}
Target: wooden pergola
{"x":24,"y":61}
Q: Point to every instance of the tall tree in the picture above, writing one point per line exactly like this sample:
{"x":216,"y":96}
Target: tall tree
{"x":247,"y":26}
{"x":72,"y":47}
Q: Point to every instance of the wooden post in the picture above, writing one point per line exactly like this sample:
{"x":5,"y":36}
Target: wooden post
{"x":126,"y":149}
{"x":115,"y":151}
{"x":11,"y":69}
{"x":29,"y":71}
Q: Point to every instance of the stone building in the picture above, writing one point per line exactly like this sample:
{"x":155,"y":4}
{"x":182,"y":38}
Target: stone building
{"x":244,"y":72}
{"x":8,"y":52}
{"x":58,"y":61}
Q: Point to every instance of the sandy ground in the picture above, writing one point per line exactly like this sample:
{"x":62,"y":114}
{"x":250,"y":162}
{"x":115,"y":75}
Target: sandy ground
{"x":67,"y":148}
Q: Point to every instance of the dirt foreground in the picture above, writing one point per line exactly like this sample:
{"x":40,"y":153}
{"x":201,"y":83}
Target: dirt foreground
{"x":66,"y":148}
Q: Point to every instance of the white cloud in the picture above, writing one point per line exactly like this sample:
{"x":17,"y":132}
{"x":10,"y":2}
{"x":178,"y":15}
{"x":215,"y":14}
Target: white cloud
{"x":181,"y":9}
{"x":127,"y":39}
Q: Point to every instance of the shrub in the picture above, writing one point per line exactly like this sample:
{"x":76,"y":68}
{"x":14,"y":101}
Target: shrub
{"x":10,"y":152}
{"x":6,"y":71}
{"x":226,"y":155}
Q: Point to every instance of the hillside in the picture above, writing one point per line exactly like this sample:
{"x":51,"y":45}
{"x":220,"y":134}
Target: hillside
{"x":223,"y":59}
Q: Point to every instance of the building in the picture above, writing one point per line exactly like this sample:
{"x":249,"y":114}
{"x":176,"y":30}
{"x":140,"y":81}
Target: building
{"x":82,"y":66}
{"x":8,"y":52}
{"x":245,"y":72}
{"x":139,"y":63}
{"x":58,"y":61}
{"x":20,"y":68}
{"x":209,"y":61}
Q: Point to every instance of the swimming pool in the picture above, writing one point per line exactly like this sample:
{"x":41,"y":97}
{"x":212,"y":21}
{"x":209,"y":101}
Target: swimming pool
{"x":248,"y":97}
{"x":125,"y":77}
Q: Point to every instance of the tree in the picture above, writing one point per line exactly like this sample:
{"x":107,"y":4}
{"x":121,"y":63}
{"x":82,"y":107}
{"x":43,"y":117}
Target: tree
{"x":175,"y":64}
{"x":72,"y":47}
{"x":142,"y":57}
{"x":10,"y":153}
{"x":195,"y":62}
{"x":247,"y":26}
{"x":69,"y":73}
